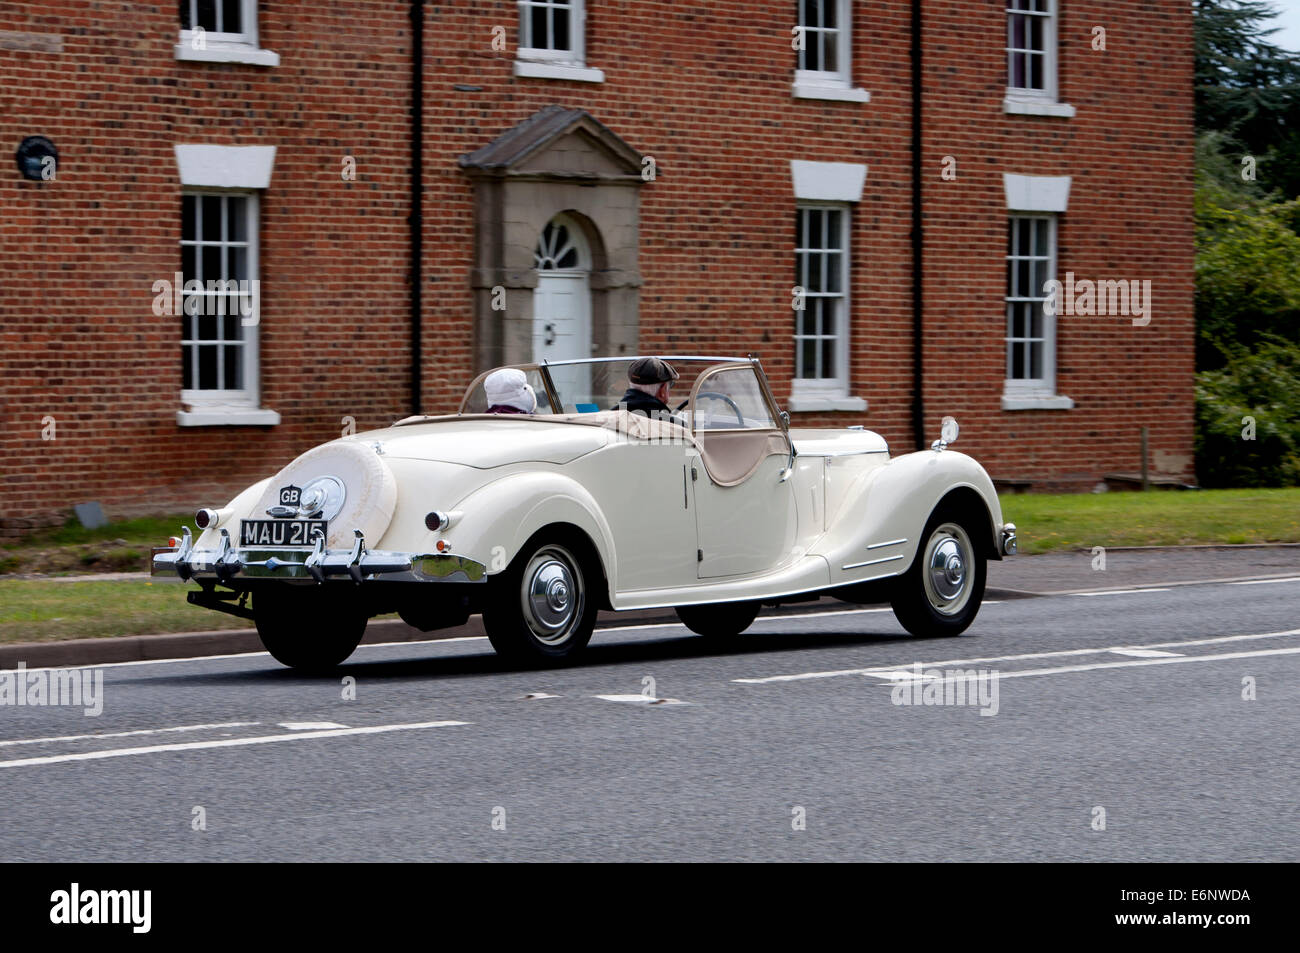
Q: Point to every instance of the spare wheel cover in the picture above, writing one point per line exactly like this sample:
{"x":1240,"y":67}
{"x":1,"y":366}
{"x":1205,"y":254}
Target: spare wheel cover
{"x":371,"y":490}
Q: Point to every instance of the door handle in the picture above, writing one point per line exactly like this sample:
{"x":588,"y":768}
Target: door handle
{"x":548,"y":335}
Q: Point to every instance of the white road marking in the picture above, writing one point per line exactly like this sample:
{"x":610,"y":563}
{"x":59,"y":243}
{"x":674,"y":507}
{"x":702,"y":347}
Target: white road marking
{"x":310,"y":725}
{"x":1264,"y":582}
{"x":900,"y":676}
{"x":386,"y":645}
{"x":125,"y":734}
{"x":641,"y":699}
{"x":874,"y":669}
{"x":226,"y":743}
{"x":535,"y":696}
{"x":1144,"y":653}
{"x":1064,"y":669}
{"x":1115,"y":592}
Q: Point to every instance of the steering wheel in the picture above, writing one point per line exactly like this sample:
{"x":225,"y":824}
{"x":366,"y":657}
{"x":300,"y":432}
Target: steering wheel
{"x":714,"y":395}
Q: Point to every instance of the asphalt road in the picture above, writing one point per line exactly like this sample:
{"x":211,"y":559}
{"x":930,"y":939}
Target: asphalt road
{"x":789,"y":746}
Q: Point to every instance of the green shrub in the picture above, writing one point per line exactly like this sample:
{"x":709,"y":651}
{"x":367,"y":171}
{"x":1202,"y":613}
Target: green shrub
{"x":1263,"y":385}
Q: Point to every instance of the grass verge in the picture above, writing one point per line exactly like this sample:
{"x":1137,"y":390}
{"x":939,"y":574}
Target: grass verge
{"x":1046,"y":523}
{"x":38,"y":610}
{"x":71,"y":549}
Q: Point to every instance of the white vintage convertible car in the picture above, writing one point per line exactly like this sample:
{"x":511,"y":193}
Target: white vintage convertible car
{"x":539,"y":520}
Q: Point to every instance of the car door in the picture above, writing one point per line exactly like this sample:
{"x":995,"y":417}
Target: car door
{"x":745,"y":517}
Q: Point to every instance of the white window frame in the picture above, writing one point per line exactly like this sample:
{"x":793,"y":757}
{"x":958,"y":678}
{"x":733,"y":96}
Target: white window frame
{"x":837,"y":386}
{"x":225,"y":407}
{"x":1036,"y":393}
{"x":830,"y":84}
{"x":541,"y":63}
{"x":1037,"y":102}
{"x":228,"y":47}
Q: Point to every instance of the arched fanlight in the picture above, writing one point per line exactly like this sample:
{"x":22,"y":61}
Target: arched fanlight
{"x":555,"y":249}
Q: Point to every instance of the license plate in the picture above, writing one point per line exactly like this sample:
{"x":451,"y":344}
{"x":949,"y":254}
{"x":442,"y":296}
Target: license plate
{"x":280,"y":532}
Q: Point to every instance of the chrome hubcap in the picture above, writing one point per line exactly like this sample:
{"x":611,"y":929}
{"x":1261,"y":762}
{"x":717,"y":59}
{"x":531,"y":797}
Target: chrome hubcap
{"x":947,"y":573}
{"x":552,"y":595}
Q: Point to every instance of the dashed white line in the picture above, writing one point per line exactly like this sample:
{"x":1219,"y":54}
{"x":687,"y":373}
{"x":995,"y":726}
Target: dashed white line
{"x":1096,"y":666}
{"x":125,"y":734}
{"x":1264,"y":582}
{"x":1116,"y":592}
{"x":803,"y":676}
{"x":310,"y":725}
{"x":1144,"y":653}
{"x":226,"y":743}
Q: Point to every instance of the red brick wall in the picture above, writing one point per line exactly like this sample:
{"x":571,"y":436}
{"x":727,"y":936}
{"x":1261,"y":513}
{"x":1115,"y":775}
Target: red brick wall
{"x":81,"y":253}
{"x":705,"y":89}
{"x":1129,"y":151}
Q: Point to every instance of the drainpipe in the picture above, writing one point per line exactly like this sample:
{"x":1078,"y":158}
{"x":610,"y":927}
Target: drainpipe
{"x":416,"y":218}
{"x":918,"y":238}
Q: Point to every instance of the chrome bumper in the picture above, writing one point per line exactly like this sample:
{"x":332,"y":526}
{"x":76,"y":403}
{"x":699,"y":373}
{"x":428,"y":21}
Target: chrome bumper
{"x":360,"y":564}
{"x":1009,"y":539}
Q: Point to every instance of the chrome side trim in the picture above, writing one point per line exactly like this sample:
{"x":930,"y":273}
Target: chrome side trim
{"x":871,"y":562}
{"x":892,"y":542}
{"x":840,"y":453}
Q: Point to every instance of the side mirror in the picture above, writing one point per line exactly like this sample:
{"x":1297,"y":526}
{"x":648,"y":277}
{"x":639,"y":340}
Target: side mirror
{"x":948,"y":433}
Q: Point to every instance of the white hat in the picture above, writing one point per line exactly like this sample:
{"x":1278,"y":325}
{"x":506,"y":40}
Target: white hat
{"x":509,"y":386}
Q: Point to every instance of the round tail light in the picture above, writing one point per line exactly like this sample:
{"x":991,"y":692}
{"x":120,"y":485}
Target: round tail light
{"x":205,"y":518}
{"x":436,"y":521}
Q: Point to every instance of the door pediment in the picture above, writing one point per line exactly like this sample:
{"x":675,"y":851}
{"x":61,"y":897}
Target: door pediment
{"x":557,"y":143}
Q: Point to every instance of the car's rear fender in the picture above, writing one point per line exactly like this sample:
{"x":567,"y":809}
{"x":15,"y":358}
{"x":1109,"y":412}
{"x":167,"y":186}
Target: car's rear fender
{"x":494,"y":522}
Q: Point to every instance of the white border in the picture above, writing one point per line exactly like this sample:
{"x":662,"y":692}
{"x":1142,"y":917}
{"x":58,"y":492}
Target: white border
{"x":1036,"y":193}
{"x":827,"y":181}
{"x":225,"y":167}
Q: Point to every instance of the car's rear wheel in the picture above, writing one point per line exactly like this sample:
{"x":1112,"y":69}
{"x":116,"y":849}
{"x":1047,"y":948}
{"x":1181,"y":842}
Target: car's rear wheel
{"x":540,"y":610}
{"x":941,"y":591}
{"x":719,"y":621}
{"x":309,"y":628}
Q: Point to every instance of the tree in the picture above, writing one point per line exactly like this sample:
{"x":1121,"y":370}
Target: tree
{"x":1247,"y":248}
{"x":1248,"y":88}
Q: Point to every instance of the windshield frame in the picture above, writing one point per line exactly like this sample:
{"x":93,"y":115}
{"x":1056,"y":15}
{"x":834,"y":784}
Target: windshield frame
{"x":552,"y":395}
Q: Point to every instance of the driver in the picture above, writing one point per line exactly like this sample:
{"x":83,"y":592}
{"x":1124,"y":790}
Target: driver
{"x":651,"y":382}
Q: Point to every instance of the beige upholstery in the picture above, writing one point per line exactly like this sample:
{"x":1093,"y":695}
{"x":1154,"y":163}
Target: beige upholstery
{"x":731,"y":456}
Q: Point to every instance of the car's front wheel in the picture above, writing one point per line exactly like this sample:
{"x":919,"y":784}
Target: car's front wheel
{"x":719,"y":621}
{"x":942,"y":590}
{"x":540,"y":609}
{"x":309,"y":628}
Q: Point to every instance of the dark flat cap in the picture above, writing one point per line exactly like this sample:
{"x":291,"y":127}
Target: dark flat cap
{"x":651,"y":370}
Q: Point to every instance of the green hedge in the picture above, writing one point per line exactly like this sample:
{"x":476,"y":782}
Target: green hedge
{"x":1264,"y":385}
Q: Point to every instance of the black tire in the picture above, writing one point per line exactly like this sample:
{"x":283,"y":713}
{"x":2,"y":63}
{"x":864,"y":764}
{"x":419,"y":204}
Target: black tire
{"x":719,"y":621}
{"x":937,"y":596}
{"x":309,"y":628}
{"x":541,"y":609}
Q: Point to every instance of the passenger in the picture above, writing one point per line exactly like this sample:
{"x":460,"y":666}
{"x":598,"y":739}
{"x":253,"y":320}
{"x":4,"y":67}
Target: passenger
{"x":508,"y":392}
{"x":651,"y":383}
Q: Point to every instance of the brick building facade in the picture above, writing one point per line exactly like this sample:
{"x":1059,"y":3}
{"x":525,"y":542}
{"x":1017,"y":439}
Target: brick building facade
{"x":679,"y":177}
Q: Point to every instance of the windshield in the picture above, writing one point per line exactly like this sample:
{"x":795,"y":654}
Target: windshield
{"x":580,"y":387}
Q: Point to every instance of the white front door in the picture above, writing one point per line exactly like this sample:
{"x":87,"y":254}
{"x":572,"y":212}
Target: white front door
{"x":562,"y":330}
